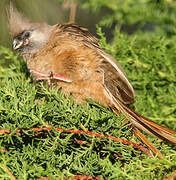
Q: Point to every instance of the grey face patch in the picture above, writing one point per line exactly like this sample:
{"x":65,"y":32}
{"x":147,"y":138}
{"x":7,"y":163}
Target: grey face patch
{"x":31,"y":41}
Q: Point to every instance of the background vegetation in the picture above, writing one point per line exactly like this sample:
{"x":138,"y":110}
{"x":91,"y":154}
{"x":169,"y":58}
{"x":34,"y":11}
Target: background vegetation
{"x":141,"y":36}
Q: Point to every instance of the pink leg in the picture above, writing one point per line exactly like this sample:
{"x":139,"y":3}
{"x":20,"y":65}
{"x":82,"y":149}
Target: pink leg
{"x":49,"y":76}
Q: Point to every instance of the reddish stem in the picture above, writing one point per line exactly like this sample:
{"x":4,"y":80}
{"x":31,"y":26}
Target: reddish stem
{"x":171,"y":177}
{"x":142,"y":148}
{"x":82,"y":177}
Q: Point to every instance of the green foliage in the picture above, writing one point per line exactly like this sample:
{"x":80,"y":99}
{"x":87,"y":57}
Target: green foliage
{"x":138,"y":15}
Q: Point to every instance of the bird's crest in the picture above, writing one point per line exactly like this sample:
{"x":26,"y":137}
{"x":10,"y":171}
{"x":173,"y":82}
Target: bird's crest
{"x":17,"y":22}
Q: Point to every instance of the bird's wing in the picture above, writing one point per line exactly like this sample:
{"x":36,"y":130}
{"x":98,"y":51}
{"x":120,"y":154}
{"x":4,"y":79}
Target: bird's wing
{"x":115,"y":80}
{"x":114,"y":76}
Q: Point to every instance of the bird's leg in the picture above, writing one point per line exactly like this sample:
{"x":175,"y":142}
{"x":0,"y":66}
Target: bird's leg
{"x":41,"y":76}
{"x":48,"y":76}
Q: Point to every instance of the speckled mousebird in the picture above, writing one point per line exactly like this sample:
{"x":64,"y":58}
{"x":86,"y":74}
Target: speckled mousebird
{"x":67,"y":55}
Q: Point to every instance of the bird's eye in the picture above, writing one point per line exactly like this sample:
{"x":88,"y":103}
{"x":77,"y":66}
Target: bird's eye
{"x":27,"y":34}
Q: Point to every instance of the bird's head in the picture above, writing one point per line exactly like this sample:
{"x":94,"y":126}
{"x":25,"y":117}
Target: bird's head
{"x":28,"y":37}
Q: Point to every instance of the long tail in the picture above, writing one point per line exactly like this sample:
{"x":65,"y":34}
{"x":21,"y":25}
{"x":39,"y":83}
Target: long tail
{"x":145,"y":124}
{"x":151,"y":127}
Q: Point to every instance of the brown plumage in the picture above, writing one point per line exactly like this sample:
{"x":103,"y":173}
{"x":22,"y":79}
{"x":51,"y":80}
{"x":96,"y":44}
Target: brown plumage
{"x":69,"y":56}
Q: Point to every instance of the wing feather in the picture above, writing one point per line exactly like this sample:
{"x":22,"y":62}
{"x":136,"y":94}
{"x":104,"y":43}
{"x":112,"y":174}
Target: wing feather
{"x":114,"y":76}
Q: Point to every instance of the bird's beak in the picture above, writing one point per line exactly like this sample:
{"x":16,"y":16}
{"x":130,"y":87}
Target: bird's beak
{"x":17,"y":44}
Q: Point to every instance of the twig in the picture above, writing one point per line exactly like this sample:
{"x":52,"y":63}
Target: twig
{"x":73,"y":6}
{"x":65,"y":4}
{"x":171,"y":177}
{"x":73,"y":11}
{"x":82,"y":177}
{"x":140,"y":147}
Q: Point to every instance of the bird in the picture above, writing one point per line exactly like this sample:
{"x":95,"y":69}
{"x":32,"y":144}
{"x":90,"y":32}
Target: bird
{"x":70,"y":57}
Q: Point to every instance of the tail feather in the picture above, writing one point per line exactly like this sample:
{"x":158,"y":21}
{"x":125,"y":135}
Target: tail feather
{"x":147,"y":142}
{"x":152,"y":127}
{"x":146,"y":124}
